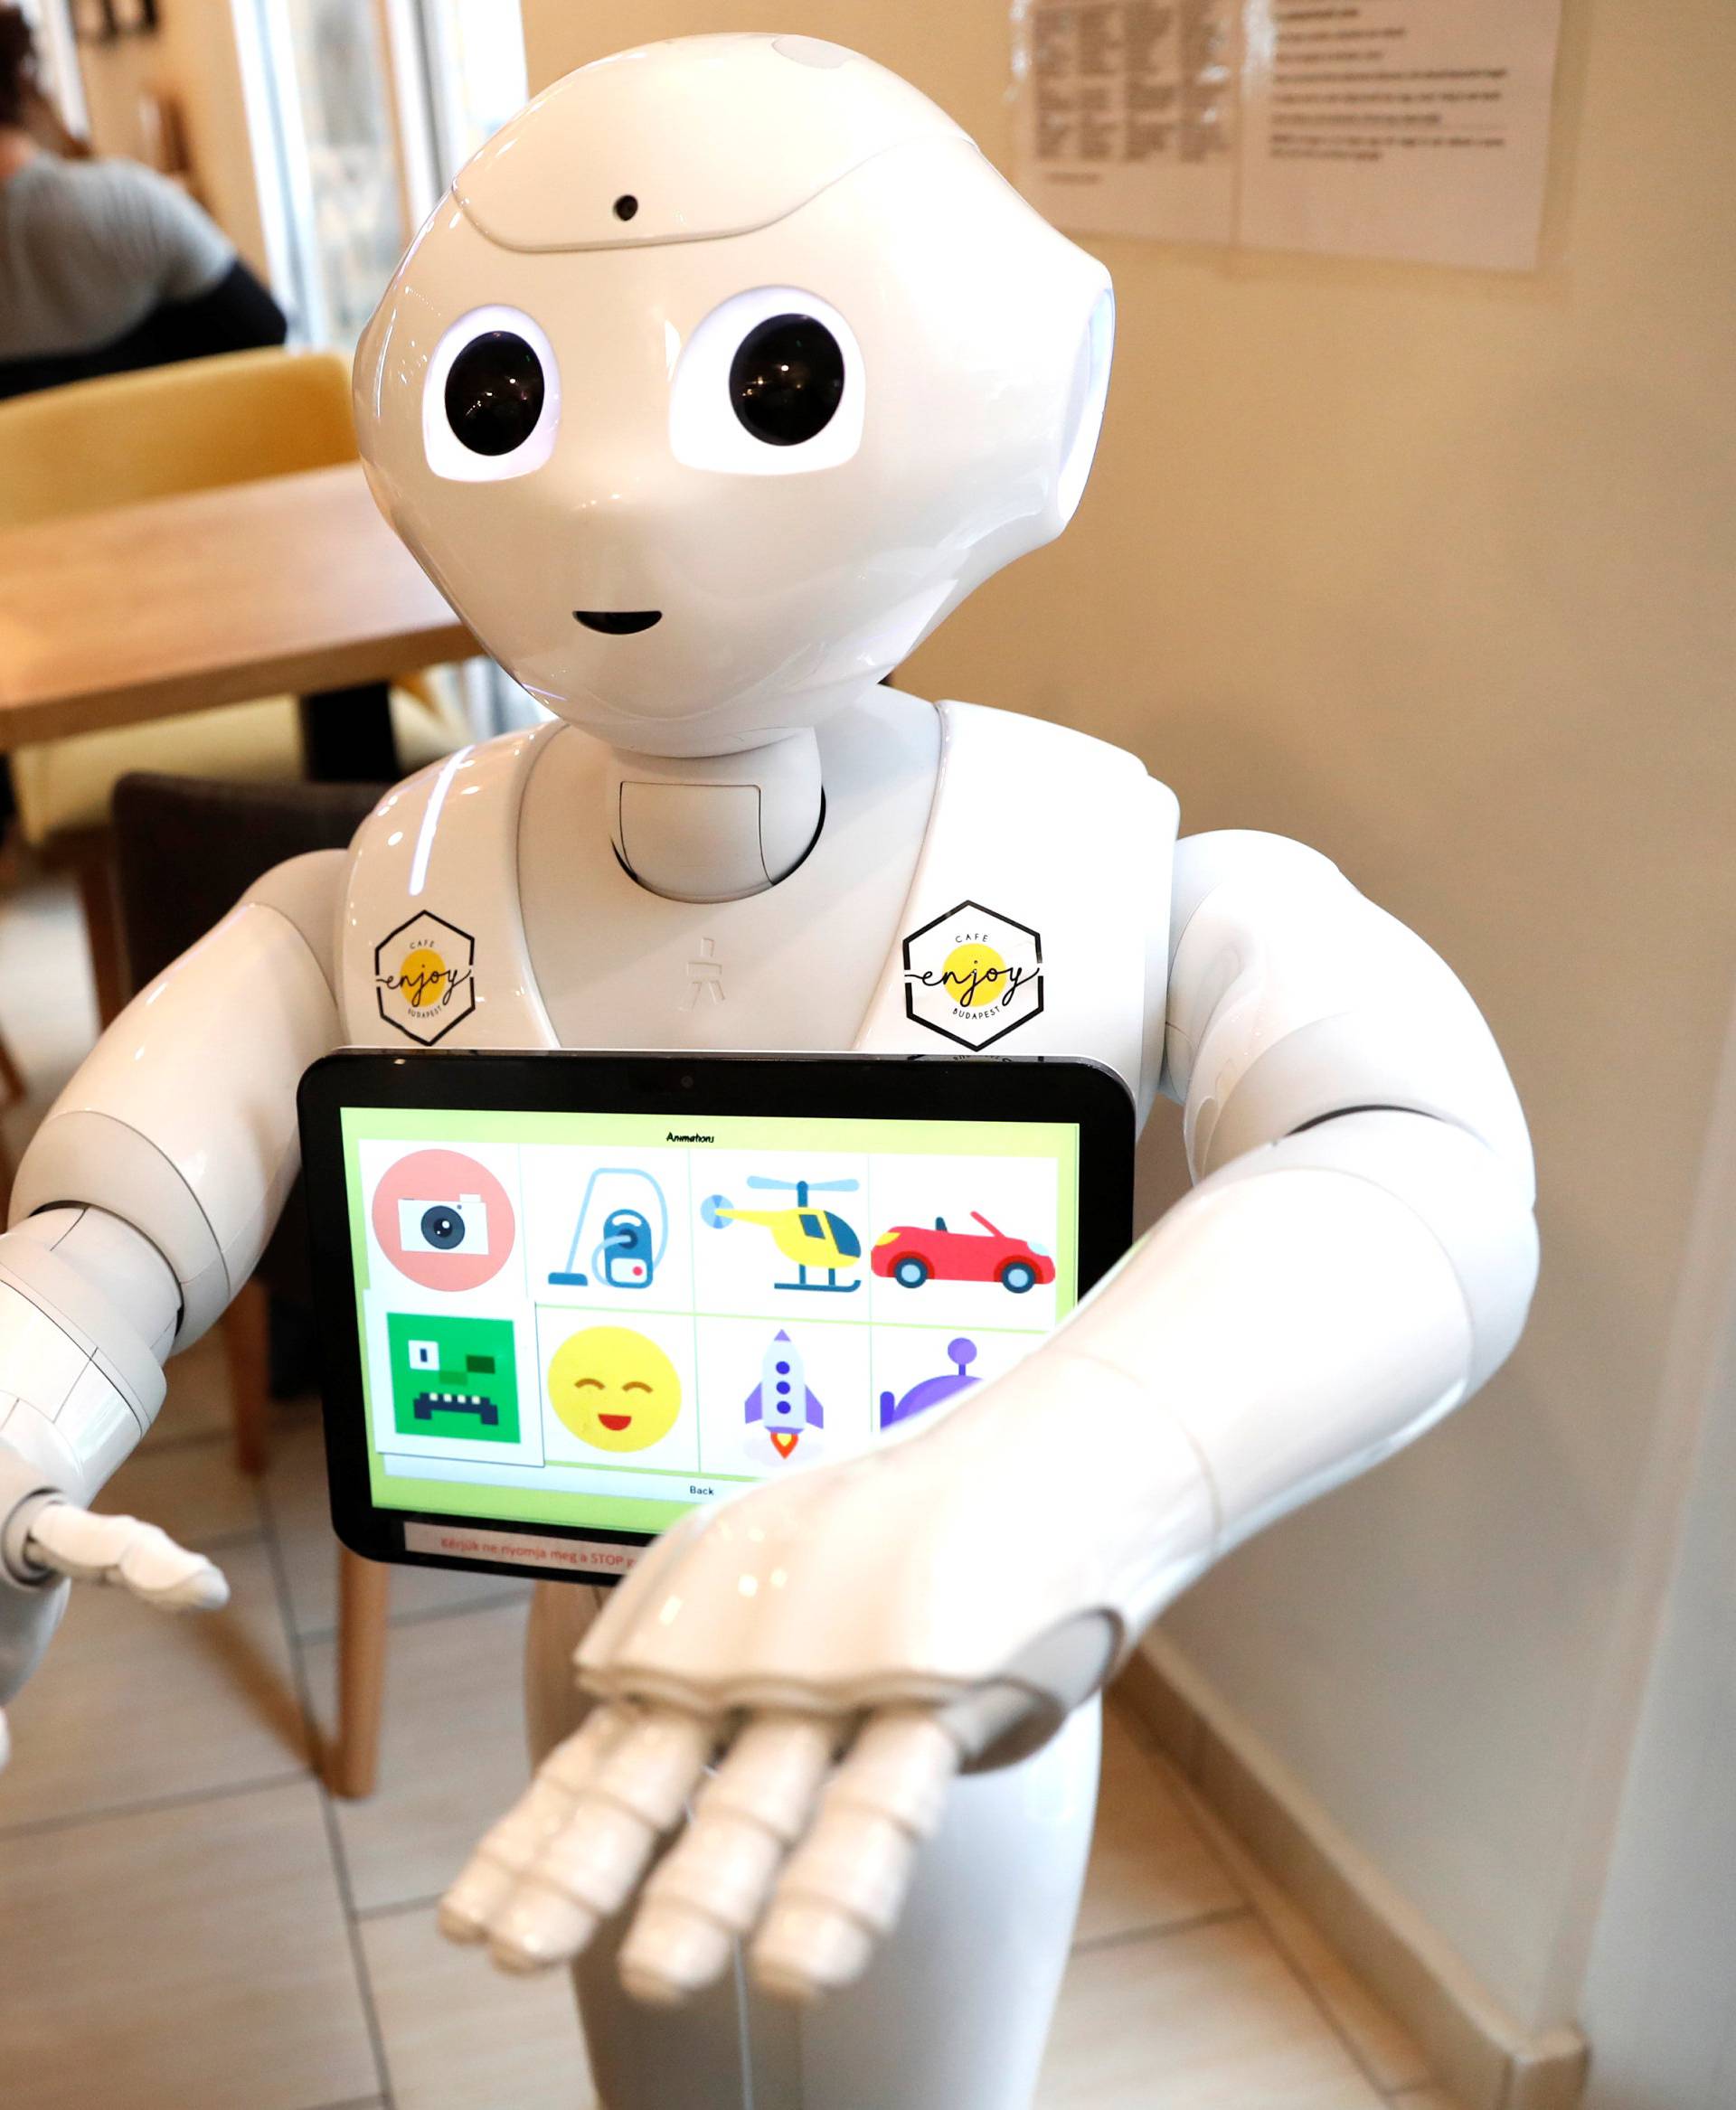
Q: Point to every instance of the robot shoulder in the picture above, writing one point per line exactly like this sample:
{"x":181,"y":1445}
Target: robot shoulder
{"x":1010,"y":743}
{"x":1098,"y":801}
{"x":1240,"y":856}
{"x":440,"y":822}
{"x":430,"y":895}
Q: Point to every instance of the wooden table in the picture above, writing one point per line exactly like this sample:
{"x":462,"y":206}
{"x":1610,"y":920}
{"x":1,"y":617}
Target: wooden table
{"x":292,"y":584}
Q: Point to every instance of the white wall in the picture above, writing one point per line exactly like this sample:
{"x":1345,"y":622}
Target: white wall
{"x":1659,"y":2000}
{"x":1433,"y":568}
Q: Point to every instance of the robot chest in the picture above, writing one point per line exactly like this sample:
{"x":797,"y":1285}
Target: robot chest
{"x":762,"y":973}
{"x":962,"y":978}
{"x":633,"y":972}
{"x":996,"y":925}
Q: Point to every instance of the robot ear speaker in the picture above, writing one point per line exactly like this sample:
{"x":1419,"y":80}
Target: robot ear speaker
{"x":1085,"y":400}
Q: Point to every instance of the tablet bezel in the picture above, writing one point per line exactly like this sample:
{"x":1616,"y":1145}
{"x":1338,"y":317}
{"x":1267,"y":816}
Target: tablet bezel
{"x":889,"y":1087}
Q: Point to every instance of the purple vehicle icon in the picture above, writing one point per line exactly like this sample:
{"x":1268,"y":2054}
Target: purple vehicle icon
{"x":931,"y":1391}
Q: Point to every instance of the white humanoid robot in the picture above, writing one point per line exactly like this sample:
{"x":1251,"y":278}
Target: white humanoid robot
{"x":725,"y":372}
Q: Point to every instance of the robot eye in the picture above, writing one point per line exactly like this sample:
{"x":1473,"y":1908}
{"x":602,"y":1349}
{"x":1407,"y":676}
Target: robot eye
{"x":493,"y":393}
{"x":769,"y":384}
{"x":491,"y":402}
{"x":786,"y":378}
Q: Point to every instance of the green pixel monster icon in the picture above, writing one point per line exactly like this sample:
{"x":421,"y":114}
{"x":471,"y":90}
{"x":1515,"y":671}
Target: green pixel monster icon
{"x":453,"y":1377}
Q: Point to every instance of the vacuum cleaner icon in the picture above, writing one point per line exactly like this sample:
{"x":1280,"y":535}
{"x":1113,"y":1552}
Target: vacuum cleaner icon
{"x":627,"y":1255}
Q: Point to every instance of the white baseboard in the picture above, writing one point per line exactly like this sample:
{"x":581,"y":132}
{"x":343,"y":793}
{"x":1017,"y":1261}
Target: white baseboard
{"x":1477,"y":2050}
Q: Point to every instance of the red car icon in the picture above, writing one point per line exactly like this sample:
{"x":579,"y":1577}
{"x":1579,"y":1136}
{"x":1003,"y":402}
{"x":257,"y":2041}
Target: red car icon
{"x":911,"y":1253}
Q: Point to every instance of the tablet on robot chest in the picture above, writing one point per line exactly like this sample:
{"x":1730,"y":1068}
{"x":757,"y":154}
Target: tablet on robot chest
{"x":567,"y":1298}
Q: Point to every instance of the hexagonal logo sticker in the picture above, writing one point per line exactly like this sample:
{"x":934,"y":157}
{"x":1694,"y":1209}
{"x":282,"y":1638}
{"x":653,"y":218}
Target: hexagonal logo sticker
{"x":973,"y":975}
{"x":424,"y":975}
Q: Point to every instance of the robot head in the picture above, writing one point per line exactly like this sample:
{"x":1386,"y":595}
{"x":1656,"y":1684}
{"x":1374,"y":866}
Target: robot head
{"x":725,"y":370}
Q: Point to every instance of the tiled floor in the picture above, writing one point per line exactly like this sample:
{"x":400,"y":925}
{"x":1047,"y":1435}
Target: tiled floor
{"x":188,"y":1923}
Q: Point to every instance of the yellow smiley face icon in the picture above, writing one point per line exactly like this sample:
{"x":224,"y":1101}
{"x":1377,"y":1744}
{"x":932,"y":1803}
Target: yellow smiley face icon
{"x":613,"y":1389}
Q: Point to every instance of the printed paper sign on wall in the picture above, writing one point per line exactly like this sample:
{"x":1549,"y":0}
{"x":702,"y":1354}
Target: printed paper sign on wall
{"x":1410,"y":130}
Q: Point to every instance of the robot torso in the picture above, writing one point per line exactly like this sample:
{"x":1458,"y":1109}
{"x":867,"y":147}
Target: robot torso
{"x":982,"y":884}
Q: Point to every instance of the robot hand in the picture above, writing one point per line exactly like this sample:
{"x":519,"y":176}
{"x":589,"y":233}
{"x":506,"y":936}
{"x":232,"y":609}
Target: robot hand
{"x":60,"y":1539}
{"x":86,"y":1312}
{"x":49,"y":1537}
{"x":841,"y":1643}
{"x":834,"y":1858}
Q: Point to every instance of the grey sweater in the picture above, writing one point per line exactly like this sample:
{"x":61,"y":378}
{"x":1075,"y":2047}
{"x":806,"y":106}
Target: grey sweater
{"x":89,"y":249}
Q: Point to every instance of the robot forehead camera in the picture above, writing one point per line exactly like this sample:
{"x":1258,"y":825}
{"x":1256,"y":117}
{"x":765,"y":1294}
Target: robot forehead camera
{"x":687,"y":141}
{"x":728,"y":369}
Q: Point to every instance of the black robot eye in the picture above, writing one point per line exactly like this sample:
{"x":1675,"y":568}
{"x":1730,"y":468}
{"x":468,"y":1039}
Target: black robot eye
{"x":787,"y":379}
{"x":494,"y":392}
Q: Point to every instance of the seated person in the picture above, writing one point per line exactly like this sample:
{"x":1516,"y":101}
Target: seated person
{"x":104,"y":265}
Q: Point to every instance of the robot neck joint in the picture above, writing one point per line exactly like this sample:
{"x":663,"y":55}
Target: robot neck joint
{"x":717,"y":827}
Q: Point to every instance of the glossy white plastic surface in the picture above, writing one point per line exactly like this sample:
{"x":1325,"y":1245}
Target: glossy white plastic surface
{"x":653,"y":123}
{"x":182,"y":1122}
{"x":1292,"y":996}
{"x":87,"y":1307}
{"x":780,"y":596}
{"x":683,"y":841}
{"x":61,"y":1539}
{"x":927,"y":806}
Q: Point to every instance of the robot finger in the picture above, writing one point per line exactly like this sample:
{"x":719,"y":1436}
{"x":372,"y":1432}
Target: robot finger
{"x":586,"y":1869}
{"x":844,"y":1885}
{"x":139,"y":1556}
{"x":713,"y":1885}
{"x":510,"y":1848}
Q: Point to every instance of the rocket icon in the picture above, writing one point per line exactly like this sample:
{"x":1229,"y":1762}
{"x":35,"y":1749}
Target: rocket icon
{"x":782,"y":1403}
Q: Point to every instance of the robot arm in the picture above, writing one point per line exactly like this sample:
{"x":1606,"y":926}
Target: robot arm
{"x":182,"y":1121}
{"x":1357,"y":1255}
{"x":139,"y":1209}
{"x":1309,"y":1034}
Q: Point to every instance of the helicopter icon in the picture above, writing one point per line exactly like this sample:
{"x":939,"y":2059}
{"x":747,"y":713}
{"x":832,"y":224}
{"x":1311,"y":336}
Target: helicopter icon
{"x":812,"y":1238}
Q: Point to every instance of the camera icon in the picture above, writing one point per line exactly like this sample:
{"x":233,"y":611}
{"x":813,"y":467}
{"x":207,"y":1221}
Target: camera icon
{"x":444,"y":1227}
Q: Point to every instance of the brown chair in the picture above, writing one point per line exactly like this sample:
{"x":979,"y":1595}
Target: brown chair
{"x":187,"y":850}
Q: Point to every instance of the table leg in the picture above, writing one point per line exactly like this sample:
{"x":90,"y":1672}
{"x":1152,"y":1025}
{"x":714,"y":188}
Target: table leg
{"x":346,"y":736}
{"x":364,"y":1591}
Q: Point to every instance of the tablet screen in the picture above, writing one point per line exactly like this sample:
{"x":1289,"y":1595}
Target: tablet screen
{"x":598,"y":1320}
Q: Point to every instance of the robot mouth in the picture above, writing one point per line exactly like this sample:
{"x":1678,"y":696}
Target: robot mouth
{"x":617,"y":622}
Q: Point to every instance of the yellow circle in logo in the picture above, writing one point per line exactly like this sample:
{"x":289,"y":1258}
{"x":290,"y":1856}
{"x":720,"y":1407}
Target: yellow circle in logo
{"x":974,"y":975}
{"x":614,"y":1388}
{"x":421,"y":977}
